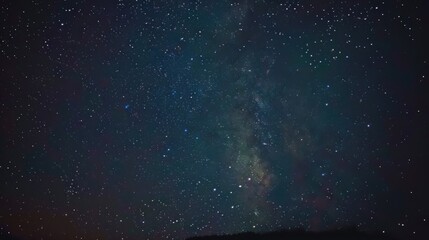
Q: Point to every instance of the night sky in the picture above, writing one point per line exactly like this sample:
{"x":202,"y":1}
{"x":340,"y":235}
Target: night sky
{"x":152,"y":119}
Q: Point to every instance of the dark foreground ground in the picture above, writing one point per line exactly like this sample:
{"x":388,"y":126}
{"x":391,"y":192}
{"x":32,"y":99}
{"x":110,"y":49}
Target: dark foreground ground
{"x":347,"y":234}
{"x":298,"y":235}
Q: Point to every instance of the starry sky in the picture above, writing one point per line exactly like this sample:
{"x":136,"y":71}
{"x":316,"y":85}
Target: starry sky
{"x":164,"y":119}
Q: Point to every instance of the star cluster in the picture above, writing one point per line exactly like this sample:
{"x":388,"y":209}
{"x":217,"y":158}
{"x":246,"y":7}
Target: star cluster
{"x":168,"y":119}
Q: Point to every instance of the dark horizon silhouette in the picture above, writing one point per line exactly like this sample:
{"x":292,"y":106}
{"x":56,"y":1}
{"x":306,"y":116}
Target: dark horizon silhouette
{"x":350,"y":233}
{"x":299,"y":234}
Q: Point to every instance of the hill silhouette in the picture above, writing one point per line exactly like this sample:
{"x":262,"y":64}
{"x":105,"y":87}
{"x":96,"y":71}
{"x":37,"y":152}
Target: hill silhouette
{"x":343,"y":234}
{"x":349,"y":234}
